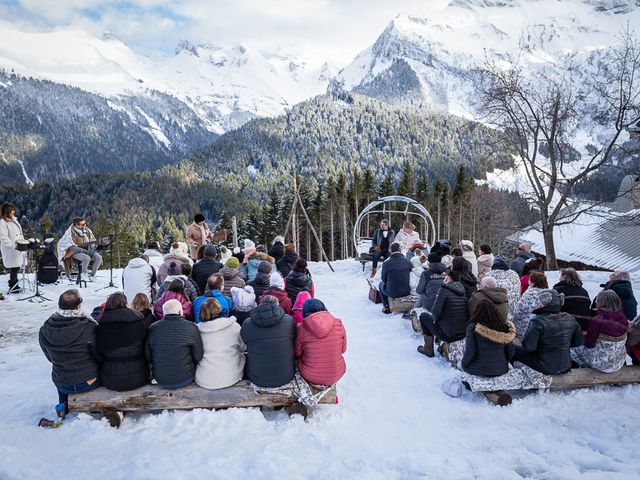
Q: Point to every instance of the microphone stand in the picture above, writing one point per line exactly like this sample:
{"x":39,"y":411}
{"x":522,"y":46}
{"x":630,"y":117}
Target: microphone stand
{"x":111,"y":284}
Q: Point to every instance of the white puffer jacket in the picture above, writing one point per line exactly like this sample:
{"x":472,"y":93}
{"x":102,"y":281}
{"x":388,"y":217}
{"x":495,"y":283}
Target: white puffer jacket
{"x":223,"y":362}
{"x":9,"y":233}
{"x":137,"y":277}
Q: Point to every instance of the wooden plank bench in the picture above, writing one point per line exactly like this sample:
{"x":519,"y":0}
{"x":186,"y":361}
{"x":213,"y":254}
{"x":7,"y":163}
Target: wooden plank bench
{"x":154,"y":398}
{"x":402,"y":304}
{"x":577,"y":378}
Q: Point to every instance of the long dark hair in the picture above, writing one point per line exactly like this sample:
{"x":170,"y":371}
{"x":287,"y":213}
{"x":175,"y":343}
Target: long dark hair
{"x":177,"y":286}
{"x":463,"y":267}
{"x":487,"y":314}
{"x":115,"y":301}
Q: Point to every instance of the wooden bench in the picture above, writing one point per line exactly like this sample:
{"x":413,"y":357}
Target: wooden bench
{"x":402,"y":304}
{"x":154,"y":398}
{"x":577,"y":378}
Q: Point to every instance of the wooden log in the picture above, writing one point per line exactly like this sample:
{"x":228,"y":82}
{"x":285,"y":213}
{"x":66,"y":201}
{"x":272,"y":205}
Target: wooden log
{"x":154,"y":397}
{"x":588,"y":377}
{"x":499,"y":397}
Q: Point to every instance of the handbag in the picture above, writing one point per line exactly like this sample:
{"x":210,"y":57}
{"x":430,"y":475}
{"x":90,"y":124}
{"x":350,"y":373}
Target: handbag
{"x":374,"y":294}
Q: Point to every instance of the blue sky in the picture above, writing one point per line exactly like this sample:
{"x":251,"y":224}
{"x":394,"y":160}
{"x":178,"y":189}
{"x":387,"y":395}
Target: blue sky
{"x":335,"y":29}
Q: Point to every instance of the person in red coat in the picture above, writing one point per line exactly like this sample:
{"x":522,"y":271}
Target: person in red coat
{"x":320,"y":342}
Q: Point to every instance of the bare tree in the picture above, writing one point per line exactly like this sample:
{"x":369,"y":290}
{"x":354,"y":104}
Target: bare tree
{"x":541,"y":110}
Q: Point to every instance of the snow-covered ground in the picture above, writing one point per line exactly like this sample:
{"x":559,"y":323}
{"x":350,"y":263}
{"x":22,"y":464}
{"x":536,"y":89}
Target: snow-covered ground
{"x":392,"y":421}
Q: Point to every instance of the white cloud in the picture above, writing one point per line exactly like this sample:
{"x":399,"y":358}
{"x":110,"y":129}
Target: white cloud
{"x":331,"y":29}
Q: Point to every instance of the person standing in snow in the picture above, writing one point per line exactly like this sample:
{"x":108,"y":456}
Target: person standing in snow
{"x":139,"y":277}
{"x":154,"y":254}
{"x":10,"y":231}
{"x":381,"y":242}
{"x":523,"y":253}
{"x":320,"y":344}
{"x":551,"y":334}
{"x":604,"y":345}
{"x":68,"y":340}
{"x":198,"y":234}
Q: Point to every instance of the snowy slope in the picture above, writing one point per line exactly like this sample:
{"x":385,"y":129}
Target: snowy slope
{"x":441,"y":44}
{"x":392,"y":422}
{"x":226,"y":86}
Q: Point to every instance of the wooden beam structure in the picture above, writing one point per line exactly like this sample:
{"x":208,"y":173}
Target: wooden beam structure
{"x":154,"y":397}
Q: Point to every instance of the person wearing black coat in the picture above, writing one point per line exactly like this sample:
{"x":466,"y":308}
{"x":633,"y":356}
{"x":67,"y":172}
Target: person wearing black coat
{"x":430,"y":281}
{"x":262,"y":280}
{"x":523,"y":254}
{"x":120,"y":344}
{"x":298,"y":280}
{"x":576,"y":298}
{"x":174,"y":347}
{"x":467,"y":278}
{"x":68,"y":339}
{"x":285,"y":264}
{"x":549,"y":338}
{"x":269,"y":334}
{"x":206,"y":267}
{"x":620,"y":282}
{"x":488,"y":346}
{"x":448,"y":317}
{"x":277,"y":249}
{"x":381,"y":245}
{"x":395,"y":277}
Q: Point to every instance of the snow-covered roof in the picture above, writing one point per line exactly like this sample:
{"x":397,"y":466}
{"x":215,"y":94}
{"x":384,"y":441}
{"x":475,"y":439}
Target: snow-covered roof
{"x":600,"y":237}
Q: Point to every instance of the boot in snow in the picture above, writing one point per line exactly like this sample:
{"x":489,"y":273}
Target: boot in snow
{"x":427,"y":348}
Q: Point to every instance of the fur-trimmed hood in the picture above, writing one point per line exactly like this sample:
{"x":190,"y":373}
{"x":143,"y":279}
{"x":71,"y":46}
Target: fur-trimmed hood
{"x":262,"y":257}
{"x":495,"y":336}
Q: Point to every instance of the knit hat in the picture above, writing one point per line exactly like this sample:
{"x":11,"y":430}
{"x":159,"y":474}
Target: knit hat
{"x":434,"y":257}
{"x":244,"y":299}
{"x":210,"y":251}
{"x":289,"y":246}
{"x":500,"y":263}
{"x":270,"y":299}
{"x":236,"y":250}
{"x":174,"y":269}
{"x":233,"y":262}
{"x":312,"y":305}
{"x":551,"y":300}
{"x":264,"y":267}
{"x":466,"y":245}
{"x":276,"y":280}
{"x":249,"y":243}
{"x":300,"y":265}
{"x":279,"y":238}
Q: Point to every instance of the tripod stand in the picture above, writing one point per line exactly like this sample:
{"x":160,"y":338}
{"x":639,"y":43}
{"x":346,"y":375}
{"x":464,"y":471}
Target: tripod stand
{"x":21,"y":286}
{"x":111,"y":284}
{"x":37,"y":295}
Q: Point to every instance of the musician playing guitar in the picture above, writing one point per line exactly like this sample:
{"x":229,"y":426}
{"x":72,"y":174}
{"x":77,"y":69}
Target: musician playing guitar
{"x":80,"y":243}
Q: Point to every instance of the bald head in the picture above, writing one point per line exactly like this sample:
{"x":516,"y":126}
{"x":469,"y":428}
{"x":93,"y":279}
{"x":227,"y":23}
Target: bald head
{"x":488,"y":282}
{"x":524,"y":247}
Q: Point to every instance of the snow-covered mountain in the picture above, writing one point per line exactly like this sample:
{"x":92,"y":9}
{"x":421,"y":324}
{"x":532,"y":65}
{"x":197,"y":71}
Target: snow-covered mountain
{"x":426,"y":56}
{"x":225,"y":86}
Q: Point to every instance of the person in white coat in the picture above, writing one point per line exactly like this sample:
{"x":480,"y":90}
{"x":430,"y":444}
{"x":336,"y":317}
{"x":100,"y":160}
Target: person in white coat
{"x":138,"y":277}
{"x":154,"y":254}
{"x":467,"y":252}
{"x":223,"y":362}
{"x":407,"y":237}
{"x":10,"y":231}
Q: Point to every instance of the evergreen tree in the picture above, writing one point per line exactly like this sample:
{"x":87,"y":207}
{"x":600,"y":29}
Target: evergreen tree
{"x":405,"y":186}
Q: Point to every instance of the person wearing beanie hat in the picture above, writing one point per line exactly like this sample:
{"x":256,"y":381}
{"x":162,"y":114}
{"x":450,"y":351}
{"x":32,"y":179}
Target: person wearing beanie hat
{"x":198,"y":234}
{"x":262,"y":279}
{"x":206,"y":267}
{"x":485,"y":260}
{"x":175,"y":272}
{"x":469,"y":255}
{"x":276,"y":289}
{"x":244,"y":300}
{"x":507,"y":279}
{"x":431,"y":279}
{"x":550,"y":336}
{"x":298,"y":280}
{"x":320,"y":342}
{"x":285,"y":264}
{"x":231,"y":276}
